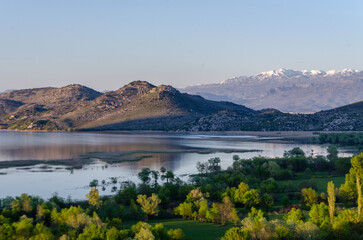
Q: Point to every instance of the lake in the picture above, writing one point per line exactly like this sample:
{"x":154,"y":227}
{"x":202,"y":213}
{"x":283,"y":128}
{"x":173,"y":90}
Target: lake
{"x":174,"y":151}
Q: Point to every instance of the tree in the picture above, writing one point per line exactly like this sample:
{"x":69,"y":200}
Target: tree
{"x":357,"y":171}
{"x":236,"y":233}
{"x":149,"y":204}
{"x":184,"y":209}
{"x":155,"y":175}
{"x":240,"y":192}
{"x":332,"y":153}
{"x":93,"y":232}
{"x":203,"y":209}
{"x":348,"y":190}
{"x":267,"y":201}
{"x":73,"y":217}
{"x":213,"y":213}
{"x":176,"y":234}
{"x":225,"y":210}
{"x":169,"y":176}
{"x":309,"y":197}
{"x":162,"y":171}
{"x":295,"y":152}
{"x":202,"y":167}
{"x":159,"y":231}
{"x":319,"y":214}
{"x":213,"y":164}
{"x":94,"y":198}
{"x":22,"y":203}
{"x":342,"y":165}
{"x":6,"y":231}
{"x":307,"y":230}
{"x":144,"y":234}
{"x":234,"y":217}
{"x":295,"y":215}
{"x":346,"y":224}
{"x":113,"y":234}
{"x":94,"y":183}
{"x":331,"y":199}
{"x":195,"y":195}
{"x":252,"y":198}
{"x":272,"y":168}
{"x":23,"y":228}
{"x":144,"y":175}
{"x":256,"y":215}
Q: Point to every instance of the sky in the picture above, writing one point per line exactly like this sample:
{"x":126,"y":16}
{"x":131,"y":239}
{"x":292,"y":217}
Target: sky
{"x":105,"y":44}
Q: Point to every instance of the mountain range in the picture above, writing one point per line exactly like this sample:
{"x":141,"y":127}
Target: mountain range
{"x":288,"y":90}
{"x":137,"y":105}
{"x":140,"y":105}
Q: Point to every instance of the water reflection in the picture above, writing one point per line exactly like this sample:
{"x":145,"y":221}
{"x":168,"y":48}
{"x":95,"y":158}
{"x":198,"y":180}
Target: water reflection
{"x":44,"y":180}
{"x":54,"y":146}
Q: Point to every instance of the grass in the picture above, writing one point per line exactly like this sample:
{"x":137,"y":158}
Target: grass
{"x":279,"y":216}
{"x":192,"y":229}
{"x":321,"y":181}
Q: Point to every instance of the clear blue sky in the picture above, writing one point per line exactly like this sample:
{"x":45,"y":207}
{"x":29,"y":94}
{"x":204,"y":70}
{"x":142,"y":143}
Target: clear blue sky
{"x":105,"y":44}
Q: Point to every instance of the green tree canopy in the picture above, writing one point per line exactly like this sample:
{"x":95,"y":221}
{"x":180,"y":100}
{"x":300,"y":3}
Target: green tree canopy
{"x":149,"y":204}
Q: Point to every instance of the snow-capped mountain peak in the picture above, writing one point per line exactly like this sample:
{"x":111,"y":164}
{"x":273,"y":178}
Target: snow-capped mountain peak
{"x":233,"y":80}
{"x":288,"y":73}
{"x":343,"y":72}
{"x":288,"y":90}
{"x":282,"y":72}
{"x":313,"y":72}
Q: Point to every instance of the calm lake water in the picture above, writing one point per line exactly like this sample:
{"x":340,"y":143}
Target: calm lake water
{"x":167,"y":150}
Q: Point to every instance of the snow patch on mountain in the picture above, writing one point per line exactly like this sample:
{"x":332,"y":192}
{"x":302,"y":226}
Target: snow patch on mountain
{"x":288,"y":90}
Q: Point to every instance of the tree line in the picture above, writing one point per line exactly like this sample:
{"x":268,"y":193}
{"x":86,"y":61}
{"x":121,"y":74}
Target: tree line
{"x":240,"y":195}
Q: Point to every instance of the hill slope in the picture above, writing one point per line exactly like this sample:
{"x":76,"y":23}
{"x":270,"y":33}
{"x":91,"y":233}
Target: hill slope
{"x":346,"y":118}
{"x":46,"y":104}
{"x":137,"y":105}
{"x":156,"y":108}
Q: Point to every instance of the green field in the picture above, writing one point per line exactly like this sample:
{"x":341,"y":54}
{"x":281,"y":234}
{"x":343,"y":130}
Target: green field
{"x":192,"y":229}
{"x":321,"y":181}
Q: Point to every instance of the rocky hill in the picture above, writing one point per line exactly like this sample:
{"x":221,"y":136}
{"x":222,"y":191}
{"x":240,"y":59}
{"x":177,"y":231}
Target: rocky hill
{"x":41,"y":107}
{"x":288,"y":90}
{"x":150,"y":107}
{"x":140,"y":105}
{"x":346,"y":118}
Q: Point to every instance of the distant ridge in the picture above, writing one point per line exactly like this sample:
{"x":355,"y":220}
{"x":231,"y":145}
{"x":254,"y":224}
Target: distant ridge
{"x":305,"y":91}
{"x":140,"y":105}
{"x":346,"y":118}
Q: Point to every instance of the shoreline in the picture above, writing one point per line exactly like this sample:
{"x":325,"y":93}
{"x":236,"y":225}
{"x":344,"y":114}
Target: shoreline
{"x":112,"y":157}
{"x":252,"y":133}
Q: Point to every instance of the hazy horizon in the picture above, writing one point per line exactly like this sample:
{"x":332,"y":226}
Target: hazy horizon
{"x":105,"y":45}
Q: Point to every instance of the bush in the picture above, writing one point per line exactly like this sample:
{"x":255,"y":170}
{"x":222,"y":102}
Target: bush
{"x":237,"y":234}
{"x":309,"y":197}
